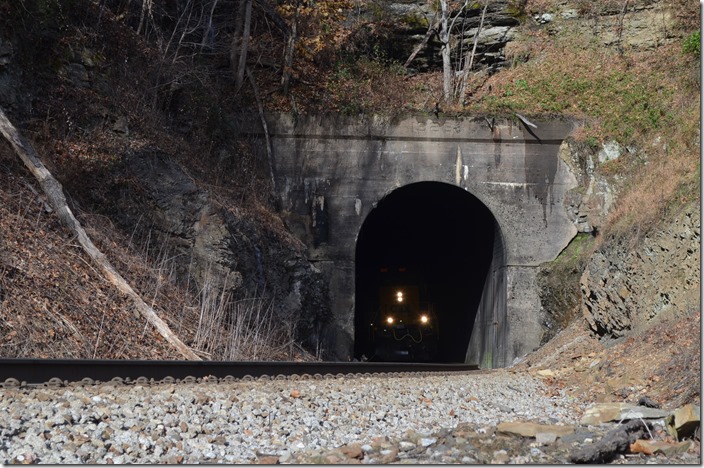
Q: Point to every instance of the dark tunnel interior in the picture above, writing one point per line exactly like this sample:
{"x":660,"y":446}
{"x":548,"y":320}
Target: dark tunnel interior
{"x":429,"y":246}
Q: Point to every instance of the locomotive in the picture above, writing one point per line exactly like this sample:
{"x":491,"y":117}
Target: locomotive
{"x":405,"y":326}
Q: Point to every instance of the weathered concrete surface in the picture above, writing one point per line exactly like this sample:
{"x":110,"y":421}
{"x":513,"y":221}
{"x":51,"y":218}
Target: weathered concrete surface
{"x":330,"y":171}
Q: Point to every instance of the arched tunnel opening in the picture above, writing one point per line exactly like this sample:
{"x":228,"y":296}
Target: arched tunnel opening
{"x":423,"y":256}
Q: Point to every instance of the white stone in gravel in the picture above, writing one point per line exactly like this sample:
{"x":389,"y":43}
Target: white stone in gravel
{"x":426,"y":441}
{"x":405,"y":446}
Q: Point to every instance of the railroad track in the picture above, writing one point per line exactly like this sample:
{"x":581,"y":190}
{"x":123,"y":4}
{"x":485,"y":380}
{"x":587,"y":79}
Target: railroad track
{"x":58,"y":372}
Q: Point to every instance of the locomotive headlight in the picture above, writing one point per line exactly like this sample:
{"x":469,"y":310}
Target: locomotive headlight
{"x":389,"y":320}
{"x":424,"y":319}
{"x":399,"y":296}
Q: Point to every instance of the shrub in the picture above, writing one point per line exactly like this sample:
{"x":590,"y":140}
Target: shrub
{"x":692,"y":45}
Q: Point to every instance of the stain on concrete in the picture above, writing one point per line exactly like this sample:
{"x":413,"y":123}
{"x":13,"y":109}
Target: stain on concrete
{"x":540,"y":168}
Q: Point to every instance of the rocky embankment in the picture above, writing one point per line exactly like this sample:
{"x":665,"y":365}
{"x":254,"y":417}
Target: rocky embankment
{"x":491,"y":417}
{"x":628,"y":289}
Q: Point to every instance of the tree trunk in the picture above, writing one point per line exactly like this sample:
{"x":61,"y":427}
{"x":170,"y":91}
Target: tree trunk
{"x":54,"y":192}
{"x":146,"y":12}
{"x":445,"y":40}
{"x":244,"y":42}
{"x":236,"y":45}
{"x":288,"y":56}
{"x":209,"y":31}
{"x":267,"y":139}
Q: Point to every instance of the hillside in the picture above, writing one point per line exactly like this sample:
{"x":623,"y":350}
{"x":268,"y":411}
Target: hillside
{"x":132,"y":108}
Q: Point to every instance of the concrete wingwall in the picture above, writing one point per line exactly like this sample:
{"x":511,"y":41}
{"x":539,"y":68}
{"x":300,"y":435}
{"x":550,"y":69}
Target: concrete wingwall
{"x":330,"y":171}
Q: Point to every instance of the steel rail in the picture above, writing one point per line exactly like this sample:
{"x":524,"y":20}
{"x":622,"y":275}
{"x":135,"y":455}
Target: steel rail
{"x":28,"y":371}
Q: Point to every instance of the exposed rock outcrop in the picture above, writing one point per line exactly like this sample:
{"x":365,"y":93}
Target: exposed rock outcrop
{"x":640,"y":25}
{"x":589,"y":203}
{"x":627,"y":287}
{"x":411,"y":20}
{"x":222,"y":249}
{"x":631,"y":282}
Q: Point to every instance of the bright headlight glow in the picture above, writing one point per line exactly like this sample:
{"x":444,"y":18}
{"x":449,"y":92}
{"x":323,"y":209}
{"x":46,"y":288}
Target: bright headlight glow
{"x":389,"y":320}
{"x":424,"y":319}
{"x":399,"y":296}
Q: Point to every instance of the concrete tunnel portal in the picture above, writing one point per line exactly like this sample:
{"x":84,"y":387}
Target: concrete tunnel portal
{"x":494,"y":201}
{"x":439,"y":240}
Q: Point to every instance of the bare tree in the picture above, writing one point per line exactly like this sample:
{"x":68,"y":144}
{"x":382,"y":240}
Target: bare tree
{"x":445,"y":51}
{"x":177,"y":51}
{"x":454,"y":79}
{"x":619,"y":30}
{"x":267,"y":139}
{"x":209,"y":29}
{"x":445,"y":36}
{"x":469,"y":59}
{"x":432,"y":29}
{"x":146,"y":12}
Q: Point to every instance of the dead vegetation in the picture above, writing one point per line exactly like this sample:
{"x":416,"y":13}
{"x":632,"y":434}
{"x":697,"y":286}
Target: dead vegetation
{"x":54,"y":303}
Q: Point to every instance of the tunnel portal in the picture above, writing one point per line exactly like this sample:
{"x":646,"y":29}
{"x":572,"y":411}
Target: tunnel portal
{"x":330,"y":172}
{"x":433,"y":242}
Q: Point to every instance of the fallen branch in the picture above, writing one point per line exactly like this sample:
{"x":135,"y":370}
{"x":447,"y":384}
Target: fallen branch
{"x":54,"y":192}
{"x":433,"y":29}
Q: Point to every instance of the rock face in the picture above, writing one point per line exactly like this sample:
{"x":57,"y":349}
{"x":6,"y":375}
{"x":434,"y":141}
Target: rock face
{"x":587,"y":206}
{"x":222,"y":249}
{"x":589,"y":203}
{"x":626,"y":288}
{"x":643,"y":26}
{"x":411,"y":20}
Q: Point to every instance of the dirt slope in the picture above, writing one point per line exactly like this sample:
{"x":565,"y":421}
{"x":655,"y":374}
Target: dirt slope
{"x":53,"y":303}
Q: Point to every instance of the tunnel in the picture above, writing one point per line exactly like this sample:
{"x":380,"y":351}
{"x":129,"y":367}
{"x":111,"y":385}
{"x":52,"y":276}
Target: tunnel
{"x":425,"y":255}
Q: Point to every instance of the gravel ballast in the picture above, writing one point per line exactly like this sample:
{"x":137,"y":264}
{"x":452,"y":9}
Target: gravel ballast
{"x":242,"y":422}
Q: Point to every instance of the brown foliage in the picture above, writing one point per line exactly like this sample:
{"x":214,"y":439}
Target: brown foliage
{"x":53,"y":303}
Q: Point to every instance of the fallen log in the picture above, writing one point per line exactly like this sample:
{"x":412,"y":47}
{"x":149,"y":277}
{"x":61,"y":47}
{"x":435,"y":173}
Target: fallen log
{"x":614,"y":443}
{"x":54,"y":192}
